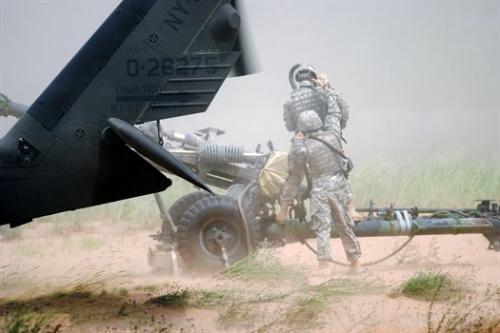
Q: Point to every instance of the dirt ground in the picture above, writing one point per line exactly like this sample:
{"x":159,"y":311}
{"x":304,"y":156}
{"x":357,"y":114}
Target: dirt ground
{"x":96,"y":278}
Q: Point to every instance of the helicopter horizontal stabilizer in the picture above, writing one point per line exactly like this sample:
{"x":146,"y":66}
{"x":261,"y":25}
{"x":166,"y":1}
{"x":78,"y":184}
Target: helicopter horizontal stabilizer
{"x":154,"y":152}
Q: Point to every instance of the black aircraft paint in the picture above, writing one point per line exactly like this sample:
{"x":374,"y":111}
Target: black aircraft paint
{"x":150,"y":60}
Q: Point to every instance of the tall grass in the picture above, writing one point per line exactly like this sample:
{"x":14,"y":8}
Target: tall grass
{"x":263,"y":265}
{"x":447,"y":182}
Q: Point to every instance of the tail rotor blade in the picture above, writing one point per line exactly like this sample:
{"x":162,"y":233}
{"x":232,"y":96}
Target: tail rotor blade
{"x":247,"y":63}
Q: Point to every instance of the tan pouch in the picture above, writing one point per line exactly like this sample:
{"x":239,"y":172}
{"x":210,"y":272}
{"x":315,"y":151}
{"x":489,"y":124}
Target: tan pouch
{"x":273,"y":176}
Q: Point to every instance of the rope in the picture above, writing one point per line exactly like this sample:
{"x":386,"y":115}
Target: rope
{"x":371,"y":263}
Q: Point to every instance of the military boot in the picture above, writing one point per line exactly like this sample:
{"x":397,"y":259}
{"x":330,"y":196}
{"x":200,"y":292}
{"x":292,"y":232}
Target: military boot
{"x":324,"y":269}
{"x":323,"y":265}
{"x":356,"y":268}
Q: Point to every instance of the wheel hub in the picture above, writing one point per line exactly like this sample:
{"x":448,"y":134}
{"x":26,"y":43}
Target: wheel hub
{"x":219,"y":233}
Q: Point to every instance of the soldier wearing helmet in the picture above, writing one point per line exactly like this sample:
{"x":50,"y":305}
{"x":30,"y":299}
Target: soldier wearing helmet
{"x":318,"y":151}
{"x":306,"y":95}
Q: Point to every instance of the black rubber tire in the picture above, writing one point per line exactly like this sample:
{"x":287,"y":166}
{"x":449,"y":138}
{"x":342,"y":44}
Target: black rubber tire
{"x":182,"y":204}
{"x":197,"y":227}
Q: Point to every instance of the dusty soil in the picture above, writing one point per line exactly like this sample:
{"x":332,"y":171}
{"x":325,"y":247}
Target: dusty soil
{"x":96,"y":278}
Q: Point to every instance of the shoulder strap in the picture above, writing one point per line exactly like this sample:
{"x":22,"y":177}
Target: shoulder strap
{"x":332,"y":148}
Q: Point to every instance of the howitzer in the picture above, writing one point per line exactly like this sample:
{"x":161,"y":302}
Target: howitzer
{"x":221,"y":230}
{"x":208,"y":230}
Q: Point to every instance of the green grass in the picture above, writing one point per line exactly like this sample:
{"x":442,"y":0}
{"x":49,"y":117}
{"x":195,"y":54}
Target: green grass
{"x":181,"y":298}
{"x":28,"y":323}
{"x":346,"y":286}
{"x":314,"y":300}
{"x":267,"y":310}
{"x":175,"y":299}
{"x":263,"y":265}
{"x":454,"y":182}
{"x":430,"y":286}
{"x":209,"y":298}
{"x":79,"y":304}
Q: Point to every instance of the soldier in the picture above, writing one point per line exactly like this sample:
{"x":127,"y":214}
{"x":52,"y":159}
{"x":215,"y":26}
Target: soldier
{"x":312,"y":91}
{"x":335,"y":121}
{"x":306,"y":95}
{"x":320,"y":150}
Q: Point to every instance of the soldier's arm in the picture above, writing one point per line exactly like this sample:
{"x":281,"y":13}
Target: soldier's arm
{"x":296,"y":171}
{"x":344,"y":110}
{"x":333,"y":109}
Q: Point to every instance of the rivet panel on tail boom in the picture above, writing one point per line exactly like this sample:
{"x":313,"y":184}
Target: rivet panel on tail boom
{"x":67,"y":87}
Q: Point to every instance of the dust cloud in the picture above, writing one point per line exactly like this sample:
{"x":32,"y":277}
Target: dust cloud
{"x":422,"y":77}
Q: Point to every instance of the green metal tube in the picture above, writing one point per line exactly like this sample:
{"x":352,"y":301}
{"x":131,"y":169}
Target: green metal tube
{"x":293,"y":230}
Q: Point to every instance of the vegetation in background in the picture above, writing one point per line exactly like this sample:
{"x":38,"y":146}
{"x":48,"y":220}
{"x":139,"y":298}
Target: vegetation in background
{"x":453,"y":182}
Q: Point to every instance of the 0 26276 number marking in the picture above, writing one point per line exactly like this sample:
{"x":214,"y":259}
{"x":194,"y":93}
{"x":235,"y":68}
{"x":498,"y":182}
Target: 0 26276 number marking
{"x":154,"y":67}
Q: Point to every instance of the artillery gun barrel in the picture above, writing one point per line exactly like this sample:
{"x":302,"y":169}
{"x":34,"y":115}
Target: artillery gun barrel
{"x":294,"y":230}
{"x":187,"y":139}
{"x":420,"y":210}
{"x":375,"y":228}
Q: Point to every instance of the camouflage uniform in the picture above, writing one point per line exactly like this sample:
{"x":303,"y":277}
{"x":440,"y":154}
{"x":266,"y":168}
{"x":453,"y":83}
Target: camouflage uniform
{"x":305,"y":96}
{"x":335,"y":121}
{"x":338,"y":112}
{"x":330,"y":191}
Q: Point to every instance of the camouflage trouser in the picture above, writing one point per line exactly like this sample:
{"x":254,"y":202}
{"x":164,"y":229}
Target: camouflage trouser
{"x":329,"y":208}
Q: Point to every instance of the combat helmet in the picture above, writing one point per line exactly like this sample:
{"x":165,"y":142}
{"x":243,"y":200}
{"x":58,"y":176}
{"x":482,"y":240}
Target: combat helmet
{"x":309,"y":121}
{"x":301,"y":72}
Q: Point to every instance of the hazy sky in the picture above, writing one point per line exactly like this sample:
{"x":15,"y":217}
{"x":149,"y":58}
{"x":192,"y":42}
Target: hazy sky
{"x":422,"y":77}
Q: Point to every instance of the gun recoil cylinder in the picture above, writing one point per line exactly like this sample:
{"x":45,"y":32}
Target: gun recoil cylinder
{"x":216,"y":154}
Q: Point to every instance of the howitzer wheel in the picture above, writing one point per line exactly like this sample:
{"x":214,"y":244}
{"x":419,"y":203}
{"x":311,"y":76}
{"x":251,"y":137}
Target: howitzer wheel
{"x":209,"y":223}
{"x":180,"y":206}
